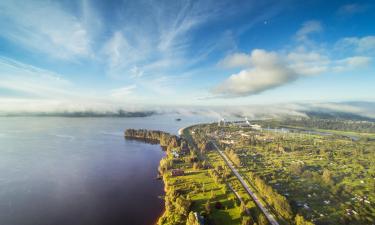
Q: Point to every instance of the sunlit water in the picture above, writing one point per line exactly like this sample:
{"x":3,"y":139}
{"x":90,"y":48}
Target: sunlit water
{"x":68,"y":171}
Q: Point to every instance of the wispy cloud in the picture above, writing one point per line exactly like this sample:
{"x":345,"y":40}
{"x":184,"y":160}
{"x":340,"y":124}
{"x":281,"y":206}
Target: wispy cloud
{"x":122,"y":93}
{"x":352,"y":8}
{"x":358,"y":44}
{"x":31,"y":80}
{"x":28,"y":88}
{"x":160,"y":41}
{"x":308,"y":28}
{"x":44,"y":26}
{"x":118,"y":50}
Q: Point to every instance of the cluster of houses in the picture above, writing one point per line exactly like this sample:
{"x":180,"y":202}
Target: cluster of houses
{"x":176,"y":153}
{"x":245,"y":123}
{"x":350,"y":212}
{"x":361,"y":199}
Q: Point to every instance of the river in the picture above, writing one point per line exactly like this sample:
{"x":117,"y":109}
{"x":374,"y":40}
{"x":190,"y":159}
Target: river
{"x":75,"y":171}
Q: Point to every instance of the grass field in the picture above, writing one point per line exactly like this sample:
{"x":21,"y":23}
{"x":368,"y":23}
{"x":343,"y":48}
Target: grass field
{"x":329,"y":179}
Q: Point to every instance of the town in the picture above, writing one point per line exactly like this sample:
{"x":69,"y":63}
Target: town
{"x":259,"y":172}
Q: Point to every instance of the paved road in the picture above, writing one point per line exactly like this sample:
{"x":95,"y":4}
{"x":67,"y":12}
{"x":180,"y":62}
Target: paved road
{"x":265,"y":211}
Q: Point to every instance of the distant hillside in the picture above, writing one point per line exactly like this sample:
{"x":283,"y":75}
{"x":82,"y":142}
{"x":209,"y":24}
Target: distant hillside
{"x":337,"y":116}
{"x":330,"y":122}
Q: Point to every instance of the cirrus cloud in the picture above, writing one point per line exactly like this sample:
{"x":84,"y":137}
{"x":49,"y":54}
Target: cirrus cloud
{"x":309,"y":27}
{"x":361,"y":45}
{"x":44,"y":26}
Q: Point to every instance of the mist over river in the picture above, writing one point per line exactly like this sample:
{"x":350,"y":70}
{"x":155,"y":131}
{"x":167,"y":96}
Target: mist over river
{"x":75,"y":171}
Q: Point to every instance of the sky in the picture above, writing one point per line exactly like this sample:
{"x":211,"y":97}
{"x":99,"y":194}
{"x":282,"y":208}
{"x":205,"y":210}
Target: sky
{"x":106,"y":55}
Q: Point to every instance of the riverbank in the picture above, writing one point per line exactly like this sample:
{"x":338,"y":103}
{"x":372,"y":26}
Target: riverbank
{"x":197,"y":182}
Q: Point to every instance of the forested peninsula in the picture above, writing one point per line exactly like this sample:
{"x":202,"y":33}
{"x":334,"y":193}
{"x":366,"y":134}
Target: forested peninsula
{"x":165,"y":139}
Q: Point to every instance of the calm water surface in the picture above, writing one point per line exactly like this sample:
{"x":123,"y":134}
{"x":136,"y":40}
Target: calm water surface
{"x":73,"y":171}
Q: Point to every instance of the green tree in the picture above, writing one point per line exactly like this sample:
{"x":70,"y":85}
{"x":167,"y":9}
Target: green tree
{"x":262,"y":220}
{"x":243,"y":209}
{"x":207,"y":207}
{"x":246,"y":220}
{"x":192,"y":220}
{"x":327,"y":177}
{"x":299,"y":220}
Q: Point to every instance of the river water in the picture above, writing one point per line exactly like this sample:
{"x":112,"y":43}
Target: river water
{"x":74,"y":171}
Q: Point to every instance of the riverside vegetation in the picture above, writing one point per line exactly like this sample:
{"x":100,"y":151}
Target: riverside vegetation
{"x":302,"y":177}
{"x":204,"y":186}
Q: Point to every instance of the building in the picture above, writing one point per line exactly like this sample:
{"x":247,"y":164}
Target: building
{"x":199,"y":218}
{"x":221,"y":122}
{"x":255,"y":126}
{"x":177,"y":172}
{"x":175,"y":154}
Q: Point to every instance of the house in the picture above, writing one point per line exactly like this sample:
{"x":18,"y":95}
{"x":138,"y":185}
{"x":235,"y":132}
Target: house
{"x":175,"y":154}
{"x":199,"y":218}
{"x":228,"y":142}
{"x":256,"y":127}
{"x":178,"y":172}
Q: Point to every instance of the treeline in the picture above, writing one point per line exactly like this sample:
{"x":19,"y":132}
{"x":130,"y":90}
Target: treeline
{"x":233,"y":156}
{"x":202,"y":144}
{"x":163,"y":138}
{"x":277,"y":201}
{"x":177,"y":207}
{"x":345,"y":125}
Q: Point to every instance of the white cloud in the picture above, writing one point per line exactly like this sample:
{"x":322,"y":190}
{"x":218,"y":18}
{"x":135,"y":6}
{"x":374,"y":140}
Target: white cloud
{"x":308,"y":63}
{"x":314,"y":63}
{"x":357,"y":61}
{"x":268,"y":72}
{"x":351,"y":63}
{"x":44,"y":27}
{"x":236,"y":60}
{"x":360,"y":45}
{"x":308,"y":28}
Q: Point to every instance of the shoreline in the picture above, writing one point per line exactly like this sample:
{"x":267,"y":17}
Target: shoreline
{"x":181,"y":130}
{"x":166,"y":141}
{"x":180,"y":133}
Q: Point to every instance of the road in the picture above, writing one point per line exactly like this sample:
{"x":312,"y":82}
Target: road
{"x":265,"y":211}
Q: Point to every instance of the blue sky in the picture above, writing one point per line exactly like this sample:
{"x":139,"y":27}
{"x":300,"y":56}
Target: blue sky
{"x":79,"y":55}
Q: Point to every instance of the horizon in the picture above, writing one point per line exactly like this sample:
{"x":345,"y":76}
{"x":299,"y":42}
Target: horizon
{"x":187,"y":112}
{"x":190,"y":53}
